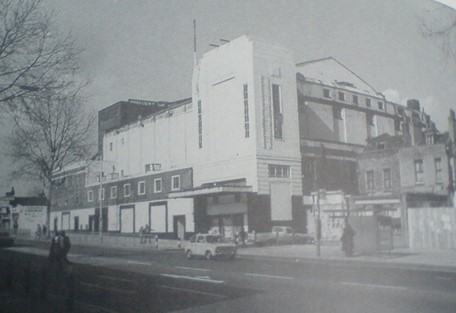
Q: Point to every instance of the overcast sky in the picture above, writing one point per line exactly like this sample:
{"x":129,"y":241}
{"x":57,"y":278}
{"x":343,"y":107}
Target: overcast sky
{"x":143,"y":49}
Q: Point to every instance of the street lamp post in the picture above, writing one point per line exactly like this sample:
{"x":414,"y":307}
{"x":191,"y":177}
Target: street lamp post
{"x":100,"y":200}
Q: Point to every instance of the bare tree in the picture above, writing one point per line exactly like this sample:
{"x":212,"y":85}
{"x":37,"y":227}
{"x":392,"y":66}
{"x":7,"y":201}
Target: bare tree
{"x":51,"y":130}
{"x":34,"y":55}
{"x":440,"y":25}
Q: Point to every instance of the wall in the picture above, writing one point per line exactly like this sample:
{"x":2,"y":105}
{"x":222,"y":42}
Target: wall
{"x":432,"y":228}
{"x":428,"y":154}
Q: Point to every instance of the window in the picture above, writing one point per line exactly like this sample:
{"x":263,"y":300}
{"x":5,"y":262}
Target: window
{"x":438,"y":170}
{"x":370,"y":119}
{"x":341,"y":96}
{"x":368,"y":102}
{"x":277,"y":109}
{"x":246,"y":112}
{"x":101,"y":194}
{"x":387,"y":179}
{"x":127,"y":190}
{"x":141,"y":188}
{"x":337,"y":113}
{"x":158,"y":185}
{"x":326,"y":93}
{"x":148,"y":168}
{"x":380,"y":105}
{"x":110,"y":146}
{"x":355,"y":100}
{"x":279,"y":171}
{"x":175,"y":182}
{"x":419,"y":172}
{"x":370,"y":180}
{"x":200,"y":125}
{"x":90,"y":196}
{"x":113,"y":192}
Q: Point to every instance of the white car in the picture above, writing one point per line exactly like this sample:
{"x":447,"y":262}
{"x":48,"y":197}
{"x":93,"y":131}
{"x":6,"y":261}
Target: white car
{"x":209,"y":246}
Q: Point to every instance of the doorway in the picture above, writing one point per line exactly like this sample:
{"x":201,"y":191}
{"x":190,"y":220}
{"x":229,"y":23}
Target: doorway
{"x":179,"y":226}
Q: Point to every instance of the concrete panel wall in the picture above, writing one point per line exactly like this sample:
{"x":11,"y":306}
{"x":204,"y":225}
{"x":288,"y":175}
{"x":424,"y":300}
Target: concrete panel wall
{"x":432,"y":228}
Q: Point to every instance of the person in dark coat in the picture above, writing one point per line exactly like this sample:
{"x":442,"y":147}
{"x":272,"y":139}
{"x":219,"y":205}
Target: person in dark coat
{"x":55,"y":251}
{"x":347,"y":239}
{"x":66,"y":246}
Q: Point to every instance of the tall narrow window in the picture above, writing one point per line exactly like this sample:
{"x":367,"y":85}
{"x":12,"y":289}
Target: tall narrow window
{"x":141,"y":188}
{"x":355,"y":99}
{"x":175,"y":182}
{"x":326,"y":93}
{"x":246,"y":112}
{"x":113,"y":192}
{"x":387,"y":179}
{"x":127,"y":191}
{"x":158,"y":185}
{"x":438,"y":170}
{"x":277,"y":109}
{"x":368,"y":102}
{"x":341,"y":96}
{"x":200,"y":125}
{"x":419,"y":172}
{"x":370,"y":180}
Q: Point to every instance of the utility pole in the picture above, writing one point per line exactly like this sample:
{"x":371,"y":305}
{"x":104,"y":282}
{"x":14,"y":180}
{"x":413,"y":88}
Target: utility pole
{"x":100,"y":199}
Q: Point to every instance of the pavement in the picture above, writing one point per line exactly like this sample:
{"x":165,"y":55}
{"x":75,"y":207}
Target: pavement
{"x":439,"y":260}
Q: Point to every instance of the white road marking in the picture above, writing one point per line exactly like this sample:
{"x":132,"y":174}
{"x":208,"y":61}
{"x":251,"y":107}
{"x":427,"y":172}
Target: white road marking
{"x":442,"y":278}
{"x":115,"y":278}
{"x":108,"y":288}
{"x":138,"y":263}
{"x":193,"y":291}
{"x":95,"y":307}
{"x":372,"y":285}
{"x":194,"y":269}
{"x":268,"y":276}
{"x":198,"y":278}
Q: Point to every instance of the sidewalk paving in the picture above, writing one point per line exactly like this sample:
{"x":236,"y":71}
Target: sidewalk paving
{"x":329,"y":252}
{"x":404,"y":258}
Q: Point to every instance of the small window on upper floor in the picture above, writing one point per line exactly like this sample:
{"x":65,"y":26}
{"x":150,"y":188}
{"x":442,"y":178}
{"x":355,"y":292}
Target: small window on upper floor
{"x":380,"y":105}
{"x":158,"y":185}
{"x":141,"y":188}
{"x":326,"y":93}
{"x":355,"y":100}
{"x":90,"y":196}
{"x":368,"y":102}
{"x":341,"y":96}
{"x":127,"y":190}
{"x":175,"y":182}
{"x":113,"y":192}
{"x":110,"y":146}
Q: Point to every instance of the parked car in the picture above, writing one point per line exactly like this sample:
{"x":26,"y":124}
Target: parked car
{"x":281,"y":235}
{"x":210,"y":246}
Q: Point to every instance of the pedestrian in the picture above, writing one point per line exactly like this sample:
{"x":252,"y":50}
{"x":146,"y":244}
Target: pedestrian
{"x":141,"y":234}
{"x":15,"y":225}
{"x":242,"y":236}
{"x":65,"y":246}
{"x":348,"y":235}
{"x":44,"y":231}
{"x":38,"y":232}
{"x":55,"y":251}
{"x":147,"y":234}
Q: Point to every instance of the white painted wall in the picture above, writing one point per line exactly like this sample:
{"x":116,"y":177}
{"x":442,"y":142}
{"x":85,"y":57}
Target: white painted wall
{"x":182,"y":206}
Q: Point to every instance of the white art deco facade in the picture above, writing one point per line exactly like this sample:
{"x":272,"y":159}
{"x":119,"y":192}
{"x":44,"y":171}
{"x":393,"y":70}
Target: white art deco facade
{"x":242,"y":152}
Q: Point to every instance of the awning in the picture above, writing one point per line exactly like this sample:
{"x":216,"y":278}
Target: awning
{"x":209,"y":190}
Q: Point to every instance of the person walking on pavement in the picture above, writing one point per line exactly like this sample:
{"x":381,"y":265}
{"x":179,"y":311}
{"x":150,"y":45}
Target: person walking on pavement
{"x":141,"y":235}
{"x":347,"y":239}
{"x":147,"y":234}
{"x":242,"y":236}
{"x":55,"y":251}
{"x":65,"y":246}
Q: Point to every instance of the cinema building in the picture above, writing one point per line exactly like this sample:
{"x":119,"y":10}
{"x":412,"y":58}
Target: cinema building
{"x":258,"y":134}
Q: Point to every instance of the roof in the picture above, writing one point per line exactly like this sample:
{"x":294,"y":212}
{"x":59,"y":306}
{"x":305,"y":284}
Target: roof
{"x":330,"y":71}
